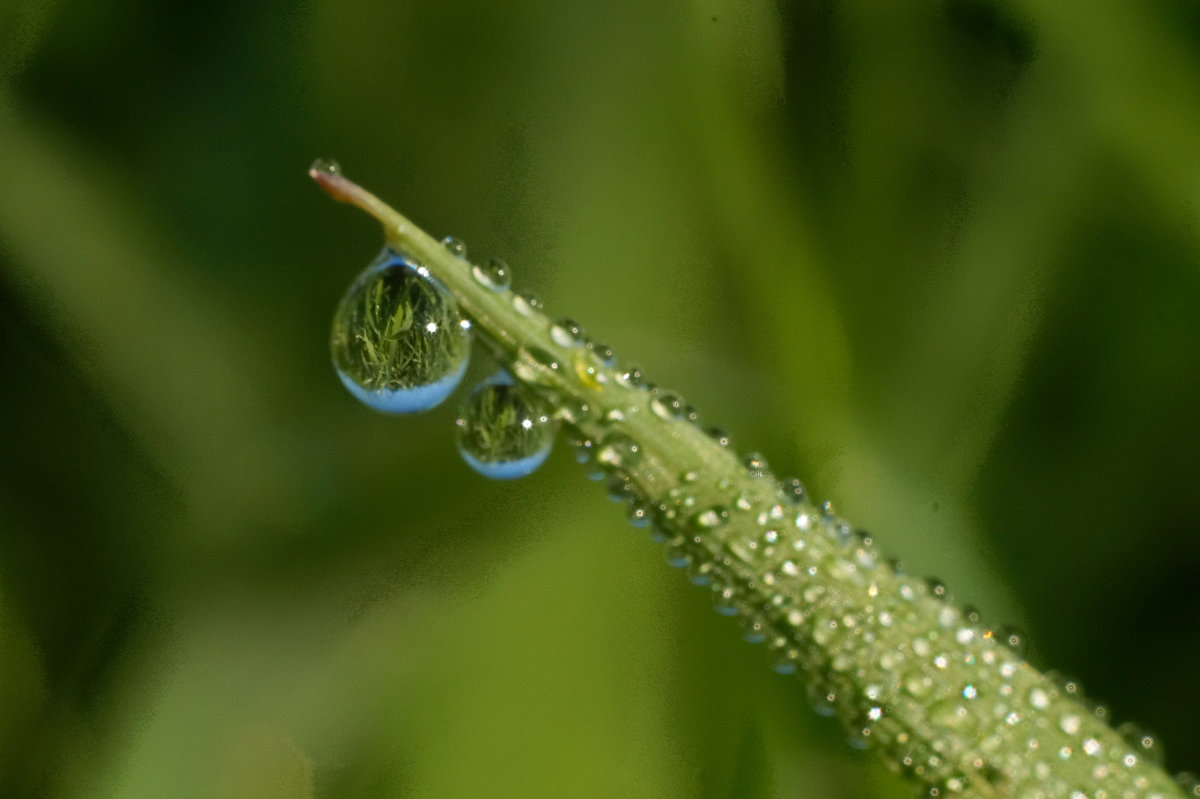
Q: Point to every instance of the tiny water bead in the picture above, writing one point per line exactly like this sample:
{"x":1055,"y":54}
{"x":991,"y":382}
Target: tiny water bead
{"x":455,"y":246}
{"x":398,"y":342}
{"x":505,"y":431}
{"x":492,"y":273}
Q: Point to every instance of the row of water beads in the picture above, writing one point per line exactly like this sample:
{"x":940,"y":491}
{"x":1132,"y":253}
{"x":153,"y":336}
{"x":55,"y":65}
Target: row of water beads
{"x":400,"y":345}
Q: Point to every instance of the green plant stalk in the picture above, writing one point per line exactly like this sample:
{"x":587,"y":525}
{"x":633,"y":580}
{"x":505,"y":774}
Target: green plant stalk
{"x":939,"y":697}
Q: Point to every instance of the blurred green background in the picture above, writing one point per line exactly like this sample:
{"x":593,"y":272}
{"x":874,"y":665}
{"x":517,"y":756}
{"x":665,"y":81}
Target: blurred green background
{"x":938,"y":258}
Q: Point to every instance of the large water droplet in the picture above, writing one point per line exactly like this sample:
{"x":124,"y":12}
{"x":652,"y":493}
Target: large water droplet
{"x":505,"y":431}
{"x":398,"y":341}
{"x":492,"y":273}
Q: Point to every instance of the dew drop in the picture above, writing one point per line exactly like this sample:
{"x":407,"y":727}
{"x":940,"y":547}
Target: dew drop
{"x":638,"y":516}
{"x":603,"y":353}
{"x":937,"y":589}
{"x":822,"y":698}
{"x":1012,"y":638}
{"x":532,"y":362}
{"x":700,"y":573}
{"x":1188,"y":783}
{"x":691,"y":414}
{"x":713,"y":517}
{"x":574,"y":410}
{"x":1145,"y":743}
{"x":620,"y":489}
{"x":756,"y":464}
{"x":631,"y":378}
{"x":455,"y":246}
{"x":492,"y":273}
{"x":526,"y":304}
{"x":676,"y":556}
{"x":325,"y":166}
{"x":619,"y":451}
{"x":567,"y":333}
{"x":720,"y":436}
{"x":793,"y":490}
{"x":725,"y":601}
{"x":398,"y":342}
{"x":667,"y":406}
{"x":505,"y":431}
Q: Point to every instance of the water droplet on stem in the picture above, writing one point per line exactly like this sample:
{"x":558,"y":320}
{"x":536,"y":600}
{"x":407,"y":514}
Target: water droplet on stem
{"x":398,"y":342}
{"x":505,"y":431}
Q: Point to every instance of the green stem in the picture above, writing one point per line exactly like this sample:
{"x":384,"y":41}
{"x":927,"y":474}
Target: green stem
{"x":939,"y":697}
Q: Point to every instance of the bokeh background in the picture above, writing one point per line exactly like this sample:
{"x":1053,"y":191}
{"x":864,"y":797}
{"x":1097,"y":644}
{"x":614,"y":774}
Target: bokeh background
{"x":939,"y":258}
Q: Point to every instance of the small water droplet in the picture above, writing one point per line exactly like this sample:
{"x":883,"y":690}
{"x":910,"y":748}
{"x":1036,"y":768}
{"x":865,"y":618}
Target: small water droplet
{"x":725,"y":601}
{"x":526,"y":304}
{"x":603,"y":353}
{"x":823,"y":699}
{"x":638,"y":515}
{"x":505,"y":431}
{"x":713,"y":517}
{"x":492,"y":273}
{"x":756,"y":464}
{"x":1145,"y":743}
{"x":531,"y":363}
{"x":720,"y":436}
{"x":691,"y":414}
{"x":326,"y":166}
{"x":618,"y":451}
{"x":937,"y":589}
{"x":620,"y":489}
{"x":667,"y":406}
{"x":754,"y":629}
{"x":793,"y":490}
{"x":676,"y":556}
{"x":1012,"y":638}
{"x":1188,"y":783}
{"x":397,"y":343}
{"x":631,"y":377}
{"x":574,"y":410}
{"x":700,"y":573}
{"x":455,"y":246}
{"x":566,"y":333}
